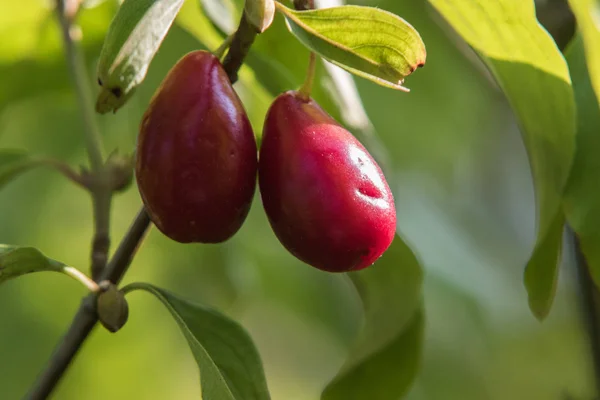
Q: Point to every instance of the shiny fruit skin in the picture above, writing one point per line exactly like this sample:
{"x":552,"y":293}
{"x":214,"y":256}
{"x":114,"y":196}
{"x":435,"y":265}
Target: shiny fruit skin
{"x":326,"y":198}
{"x":196,"y":154}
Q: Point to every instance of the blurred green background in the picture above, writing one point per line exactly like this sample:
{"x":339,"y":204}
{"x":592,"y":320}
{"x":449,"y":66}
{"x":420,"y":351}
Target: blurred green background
{"x":465,"y":205}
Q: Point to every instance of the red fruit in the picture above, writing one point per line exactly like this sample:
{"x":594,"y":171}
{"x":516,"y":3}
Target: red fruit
{"x":196,"y":156}
{"x":326,"y":198}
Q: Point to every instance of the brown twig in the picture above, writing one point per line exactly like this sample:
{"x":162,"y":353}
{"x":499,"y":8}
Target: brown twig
{"x":85,"y":319}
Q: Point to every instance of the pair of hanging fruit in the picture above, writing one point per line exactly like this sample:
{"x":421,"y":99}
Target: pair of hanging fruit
{"x":326,"y":198}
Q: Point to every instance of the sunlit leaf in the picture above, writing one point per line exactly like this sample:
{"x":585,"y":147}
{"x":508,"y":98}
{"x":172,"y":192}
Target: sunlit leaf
{"x":582,"y":199}
{"x":16,"y":261}
{"x":365,"y":41}
{"x":535,"y":79}
{"x":230,"y":366}
{"x":587,"y":13}
{"x":133,"y":39}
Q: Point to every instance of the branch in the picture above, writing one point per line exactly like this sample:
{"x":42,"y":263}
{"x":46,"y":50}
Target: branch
{"x":101,"y":194}
{"x":243,"y":38}
{"x":93,"y":140}
{"x":86,"y":318}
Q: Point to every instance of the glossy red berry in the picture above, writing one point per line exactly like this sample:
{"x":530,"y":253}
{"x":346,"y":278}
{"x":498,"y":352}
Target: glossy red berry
{"x":196,"y":154}
{"x":326,"y":198}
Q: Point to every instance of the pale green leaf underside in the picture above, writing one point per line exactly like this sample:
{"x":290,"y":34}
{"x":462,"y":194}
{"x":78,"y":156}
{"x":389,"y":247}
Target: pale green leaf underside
{"x":16,"y":261}
{"x":391,"y":291}
{"x":582,"y":198}
{"x":230,"y":366}
{"x":368,"y":42}
{"x":534,"y":77}
{"x":387,"y":374}
{"x":133,"y":38}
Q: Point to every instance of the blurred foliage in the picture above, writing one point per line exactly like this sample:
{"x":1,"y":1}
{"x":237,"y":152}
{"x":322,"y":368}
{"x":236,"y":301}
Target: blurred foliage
{"x":465,"y":205}
{"x":532,"y":73}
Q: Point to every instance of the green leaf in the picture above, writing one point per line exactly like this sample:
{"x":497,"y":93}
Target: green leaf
{"x":16,"y":261}
{"x":13,"y":163}
{"x":582,"y":198}
{"x":230,"y":366}
{"x":387,"y":374}
{"x":133,"y":39}
{"x":541,"y":274}
{"x":385,"y":361}
{"x":587,"y":13}
{"x":534,"y":77}
{"x":365,"y":41}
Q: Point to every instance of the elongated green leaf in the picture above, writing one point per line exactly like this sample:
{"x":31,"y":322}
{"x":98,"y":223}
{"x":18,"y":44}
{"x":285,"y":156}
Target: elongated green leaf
{"x":391,"y":294}
{"x":541,"y":273}
{"x":365,"y":41}
{"x":534,"y":77}
{"x":582,"y":199}
{"x":387,"y":374}
{"x":587,"y":13}
{"x":230,"y":366}
{"x":16,"y":261}
{"x":133,"y":39}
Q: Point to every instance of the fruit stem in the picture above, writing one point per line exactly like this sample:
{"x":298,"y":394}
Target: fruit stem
{"x":220,"y":52}
{"x":306,"y":88}
{"x":242,"y":40}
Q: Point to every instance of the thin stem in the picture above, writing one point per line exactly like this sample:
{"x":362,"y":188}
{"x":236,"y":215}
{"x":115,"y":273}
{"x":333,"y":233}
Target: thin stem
{"x":590,"y":306}
{"x":101,"y":202}
{"x":86,"y":318}
{"x":243,"y":38}
{"x":116,"y":268}
{"x":101,"y":195}
{"x":64,"y":169}
{"x":82,"y":278}
{"x":307,"y":86}
{"x":220,"y":51}
{"x":131,"y":287}
{"x":93,"y":140}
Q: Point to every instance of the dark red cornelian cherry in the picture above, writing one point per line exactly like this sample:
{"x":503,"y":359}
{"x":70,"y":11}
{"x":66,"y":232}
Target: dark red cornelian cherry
{"x":196,"y":154}
{"x":326,"y":198}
